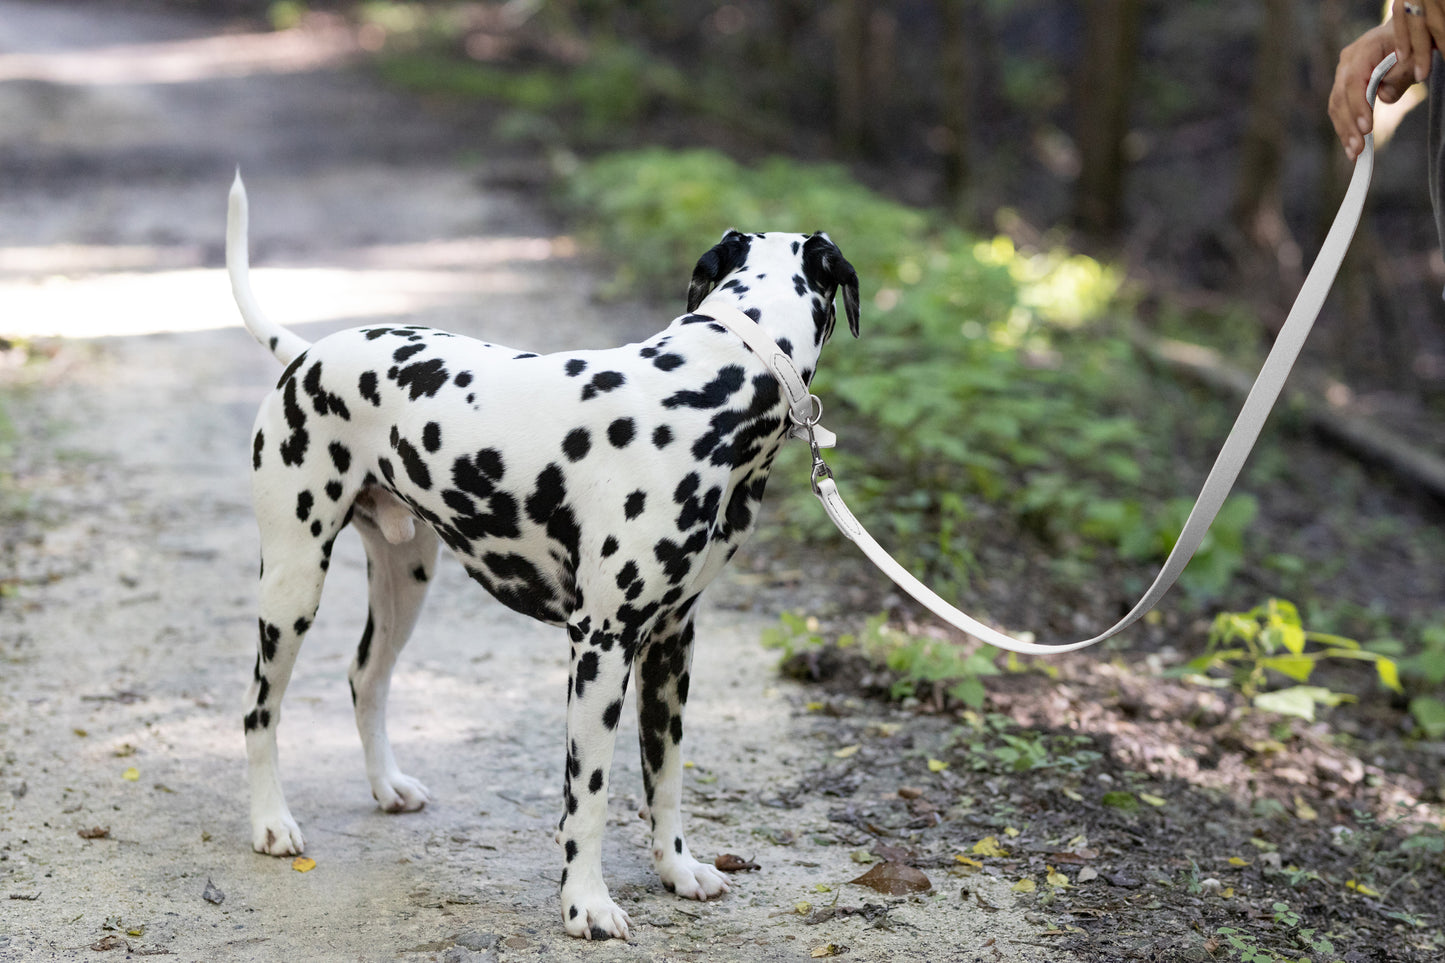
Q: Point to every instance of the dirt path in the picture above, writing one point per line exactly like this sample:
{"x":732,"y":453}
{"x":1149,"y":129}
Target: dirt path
{"x":126,"y":592}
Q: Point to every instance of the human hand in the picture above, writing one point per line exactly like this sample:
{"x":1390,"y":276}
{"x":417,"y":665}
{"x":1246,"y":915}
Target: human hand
{"x":1349,"y":110}
{"x":1419,"y":28}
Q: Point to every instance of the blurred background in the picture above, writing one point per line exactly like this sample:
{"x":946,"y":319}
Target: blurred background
{"x":1078,"y":227}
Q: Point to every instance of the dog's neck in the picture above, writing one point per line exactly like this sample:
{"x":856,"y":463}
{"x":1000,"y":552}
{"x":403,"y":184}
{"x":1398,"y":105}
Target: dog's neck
{"x":794,"y":323}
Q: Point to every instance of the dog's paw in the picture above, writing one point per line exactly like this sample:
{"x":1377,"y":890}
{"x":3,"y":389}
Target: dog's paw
{"x":691,"y":879}
{"x":277,"y":836}
{"x":399,"y":793}
{"x":594,"y":918}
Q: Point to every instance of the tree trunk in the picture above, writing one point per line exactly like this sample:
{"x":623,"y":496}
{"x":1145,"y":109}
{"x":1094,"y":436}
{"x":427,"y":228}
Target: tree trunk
{"x":849,"y":73}
{"x":1257,"y":210}
{"x":1111,"y":46}
{"x":956,"y":74}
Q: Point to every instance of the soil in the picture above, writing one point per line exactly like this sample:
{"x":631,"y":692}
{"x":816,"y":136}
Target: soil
{"x":1094,"y":809}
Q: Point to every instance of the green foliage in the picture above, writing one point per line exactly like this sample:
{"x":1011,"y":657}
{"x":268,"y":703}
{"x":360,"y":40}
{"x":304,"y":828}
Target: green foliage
{"x":614,"y":88}
{"x":917,"y":662}
{"x":1289,"y":928}
{"x":993,"y":378}
{"x":1270,"y":640}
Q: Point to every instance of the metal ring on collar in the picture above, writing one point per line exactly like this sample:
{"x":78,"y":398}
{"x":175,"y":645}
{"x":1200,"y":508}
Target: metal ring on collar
{"x":815,"y":415}
{"x":1413,"y":9}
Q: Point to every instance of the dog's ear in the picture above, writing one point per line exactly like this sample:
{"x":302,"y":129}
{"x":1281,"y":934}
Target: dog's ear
{"x":825,"y":263}
{"x":726,"y":256}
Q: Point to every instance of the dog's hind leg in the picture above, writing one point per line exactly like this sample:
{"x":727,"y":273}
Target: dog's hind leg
{"x":397,"y":574}
{"x":662,"y":681}
{"x":293,"y":566}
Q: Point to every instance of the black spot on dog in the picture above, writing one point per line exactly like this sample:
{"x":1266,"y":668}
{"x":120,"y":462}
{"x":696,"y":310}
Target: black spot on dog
{"x":621,"y":432}
{"x":603,"y":382}
{"x":316,"y":528}
{"x":431,"y":437}
{"x":419,"y":573}
{"x":547,"y":494}
{"x":586,"y":672}
{"x":363,"y":651}
{"x":575,"y":367}
{"x":571,"y":849}
{"x":373,"y":333}
{"x":661,"y":437}
{"x":677,"y":845}
{"x":462,"y":379}
{"x":627,"y":575}
{"x":635,"y":504}
{"x":406,"y":351}
{"x":256,"y":444}
{"x":302,"y":624}
{"x":366,"y":385}
{"x":577,"y":444}
{"x":714,"y":394}
{"x":340,"y":456}
{"x":594,"y":784}
{"x":291,"y":369}
{"x":270,"y":638}
{"x":609,"y":547}
{"x":304,"y":501}
{"x":668,"y":362}
{"x":411,"y":460}
{"x":422,"y":377}
{"x":293,"y":449}
{"x":322,"y":400}
{"x":612,"y":714}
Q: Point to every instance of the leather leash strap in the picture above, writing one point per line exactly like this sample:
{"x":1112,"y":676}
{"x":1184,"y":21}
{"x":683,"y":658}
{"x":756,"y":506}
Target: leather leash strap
{"x":805,"y":410}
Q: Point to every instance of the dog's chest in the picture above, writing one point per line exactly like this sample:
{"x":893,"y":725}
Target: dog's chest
{"x":618,"y":480}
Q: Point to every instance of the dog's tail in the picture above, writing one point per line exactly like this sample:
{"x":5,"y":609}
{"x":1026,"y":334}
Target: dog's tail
{"x":280,"y":342}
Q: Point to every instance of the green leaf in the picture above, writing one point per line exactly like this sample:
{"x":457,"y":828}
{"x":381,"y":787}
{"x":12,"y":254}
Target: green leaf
{"x":1297,"y":667}
{"x":1299,"y":701}
{"x":1429,"y":713}
{"x":1389,"y":674}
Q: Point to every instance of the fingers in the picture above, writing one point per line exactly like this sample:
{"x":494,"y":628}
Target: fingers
{"x":1411,"y":22}
{"x":1349,"y":111}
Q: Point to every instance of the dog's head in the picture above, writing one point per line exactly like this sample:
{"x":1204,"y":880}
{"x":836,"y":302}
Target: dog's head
{"x":812,"y":262}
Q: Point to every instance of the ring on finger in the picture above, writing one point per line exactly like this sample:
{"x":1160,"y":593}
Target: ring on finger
{"x":1413,"y":9}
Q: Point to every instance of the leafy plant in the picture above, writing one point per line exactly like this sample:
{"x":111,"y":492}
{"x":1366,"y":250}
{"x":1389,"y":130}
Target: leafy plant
{"x":997,"y":744}
{"x":918,"y":663}
{"x":1271,"y":640}
{"x":994,"y":386}
{"x":1289,"y":924}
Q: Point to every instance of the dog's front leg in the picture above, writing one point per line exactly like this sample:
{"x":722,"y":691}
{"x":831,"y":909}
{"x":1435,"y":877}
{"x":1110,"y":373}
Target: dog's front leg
{"x":662,"y":682}
{"x":597,"y":684}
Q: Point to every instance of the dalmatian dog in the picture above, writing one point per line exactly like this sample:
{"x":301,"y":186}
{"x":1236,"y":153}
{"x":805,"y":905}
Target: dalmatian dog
{"x":600,"y":491}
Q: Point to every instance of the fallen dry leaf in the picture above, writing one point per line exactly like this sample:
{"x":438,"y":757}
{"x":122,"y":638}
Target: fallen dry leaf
{"x":828,"y":949}
{"x":846,"y":751}
{"x":213,"y":895}
{"x":111,"y":942}
{"x":894,"y":879}
{"x":1087,"y":875}
{"x":988,"y":846}
{"x":95,"y":832}
{"x":131,"y":775}
{"x":1024,"y":886}
{"x":729,"y":863}
{"x":303,"y":864}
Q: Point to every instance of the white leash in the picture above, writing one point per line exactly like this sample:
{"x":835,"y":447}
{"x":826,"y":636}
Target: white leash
{"x":805,"y":410}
